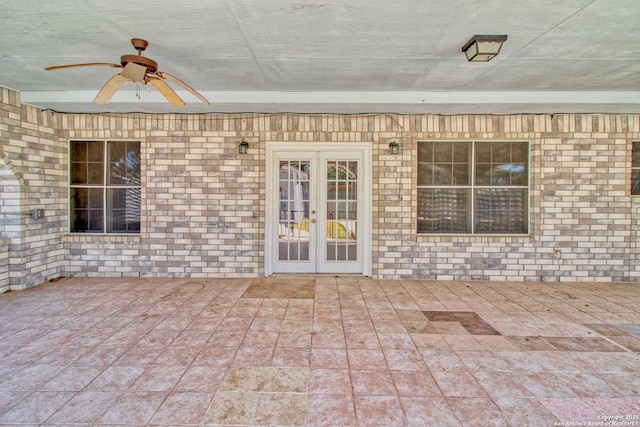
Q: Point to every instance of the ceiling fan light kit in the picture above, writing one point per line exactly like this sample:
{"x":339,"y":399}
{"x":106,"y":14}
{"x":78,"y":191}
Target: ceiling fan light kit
{"x":134,"y":72}
{"x":139,"y":69}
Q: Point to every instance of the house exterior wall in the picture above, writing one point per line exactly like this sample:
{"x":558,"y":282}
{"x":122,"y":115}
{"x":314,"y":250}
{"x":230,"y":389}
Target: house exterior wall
{"x":204,"y":204}
{"x":32,"y":175}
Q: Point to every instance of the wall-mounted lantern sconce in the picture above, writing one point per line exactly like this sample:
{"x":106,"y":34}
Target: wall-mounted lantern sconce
{"x":394,"y":148}
{"x":483,"y":48}
{"x":243,"y":147}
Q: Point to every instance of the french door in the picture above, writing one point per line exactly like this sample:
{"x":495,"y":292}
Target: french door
{"x":318,"y":208}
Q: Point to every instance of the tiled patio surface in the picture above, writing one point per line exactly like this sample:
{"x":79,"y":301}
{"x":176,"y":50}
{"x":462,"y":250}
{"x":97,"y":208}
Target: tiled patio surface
{"x":319,"y":351}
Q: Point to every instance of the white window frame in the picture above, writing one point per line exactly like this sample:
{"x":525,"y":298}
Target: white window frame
{"x":107,"y":208}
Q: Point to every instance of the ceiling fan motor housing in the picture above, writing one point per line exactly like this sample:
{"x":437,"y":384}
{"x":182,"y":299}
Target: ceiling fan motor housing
{"x":140,"y":45}
{"x":152,"y":66}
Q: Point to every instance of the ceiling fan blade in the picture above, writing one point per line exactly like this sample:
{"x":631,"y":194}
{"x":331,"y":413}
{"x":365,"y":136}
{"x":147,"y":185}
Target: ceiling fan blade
{"x":88,"y":64}
{"x":109,"y":89}
{"x":183,"y":84}
{"x":166,"y":91}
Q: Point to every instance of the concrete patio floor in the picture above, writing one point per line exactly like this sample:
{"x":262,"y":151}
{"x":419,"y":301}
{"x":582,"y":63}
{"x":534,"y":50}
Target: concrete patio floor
{"x":319,"y":351}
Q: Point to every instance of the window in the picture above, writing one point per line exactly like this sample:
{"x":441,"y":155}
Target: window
{"x":473,"y":187}
{"x":635,"y":168}
{"x":104,"y":192}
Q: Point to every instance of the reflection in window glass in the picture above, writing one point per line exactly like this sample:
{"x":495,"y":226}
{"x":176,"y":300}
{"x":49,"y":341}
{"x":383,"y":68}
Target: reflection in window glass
{"x":87,"y":162}
{"x":293,"y":218}
{"x":125,"y":210}
{"x":86,"y":206}
{"x":443,"y":210}
{"x":124,"y":163}
{"x":500,"y":210}
{"x":635,"y":168}
{"x":501,"y":163}
{"x":443,"y":163}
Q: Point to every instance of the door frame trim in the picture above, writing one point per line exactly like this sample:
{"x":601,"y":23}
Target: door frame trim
{"x":271,"y":201}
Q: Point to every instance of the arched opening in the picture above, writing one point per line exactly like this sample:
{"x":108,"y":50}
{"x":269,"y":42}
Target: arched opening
{"x":10,"y":220}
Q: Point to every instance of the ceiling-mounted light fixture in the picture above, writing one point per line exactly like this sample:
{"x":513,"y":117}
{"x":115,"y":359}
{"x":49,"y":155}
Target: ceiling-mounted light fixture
{"x":394,"y":148}
{"x":483,"y":48}
{"x":243,"y":147}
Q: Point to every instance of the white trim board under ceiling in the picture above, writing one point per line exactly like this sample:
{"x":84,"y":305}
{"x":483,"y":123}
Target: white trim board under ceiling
{"x":350,"y":102}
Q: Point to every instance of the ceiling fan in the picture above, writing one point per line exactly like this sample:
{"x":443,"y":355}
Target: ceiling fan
{"x":139,"y":69}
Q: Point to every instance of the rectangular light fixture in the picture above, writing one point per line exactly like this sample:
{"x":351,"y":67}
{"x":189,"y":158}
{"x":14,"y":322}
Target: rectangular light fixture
{"x":483,"y":48}
{"x":394,"y":148}
{"x":243,"y":147}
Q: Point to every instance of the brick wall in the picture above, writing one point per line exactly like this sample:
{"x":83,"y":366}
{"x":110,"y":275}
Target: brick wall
{"x":204,"y":205}
{"x":32,"y":175}
{"x":4,"y":265}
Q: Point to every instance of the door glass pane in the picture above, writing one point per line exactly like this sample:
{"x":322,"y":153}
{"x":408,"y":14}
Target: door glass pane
{"x":293,"y":222}
{"x":342,"y":214}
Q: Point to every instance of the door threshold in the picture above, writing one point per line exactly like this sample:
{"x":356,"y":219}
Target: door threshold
{"x":276,"y":275}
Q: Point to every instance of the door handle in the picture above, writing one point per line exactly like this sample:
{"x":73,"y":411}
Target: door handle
{"x":313,"y":221}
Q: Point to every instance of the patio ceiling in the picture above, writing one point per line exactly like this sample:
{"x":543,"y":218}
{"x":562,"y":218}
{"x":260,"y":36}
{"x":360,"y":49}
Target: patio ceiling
{"x":331,"y":56}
